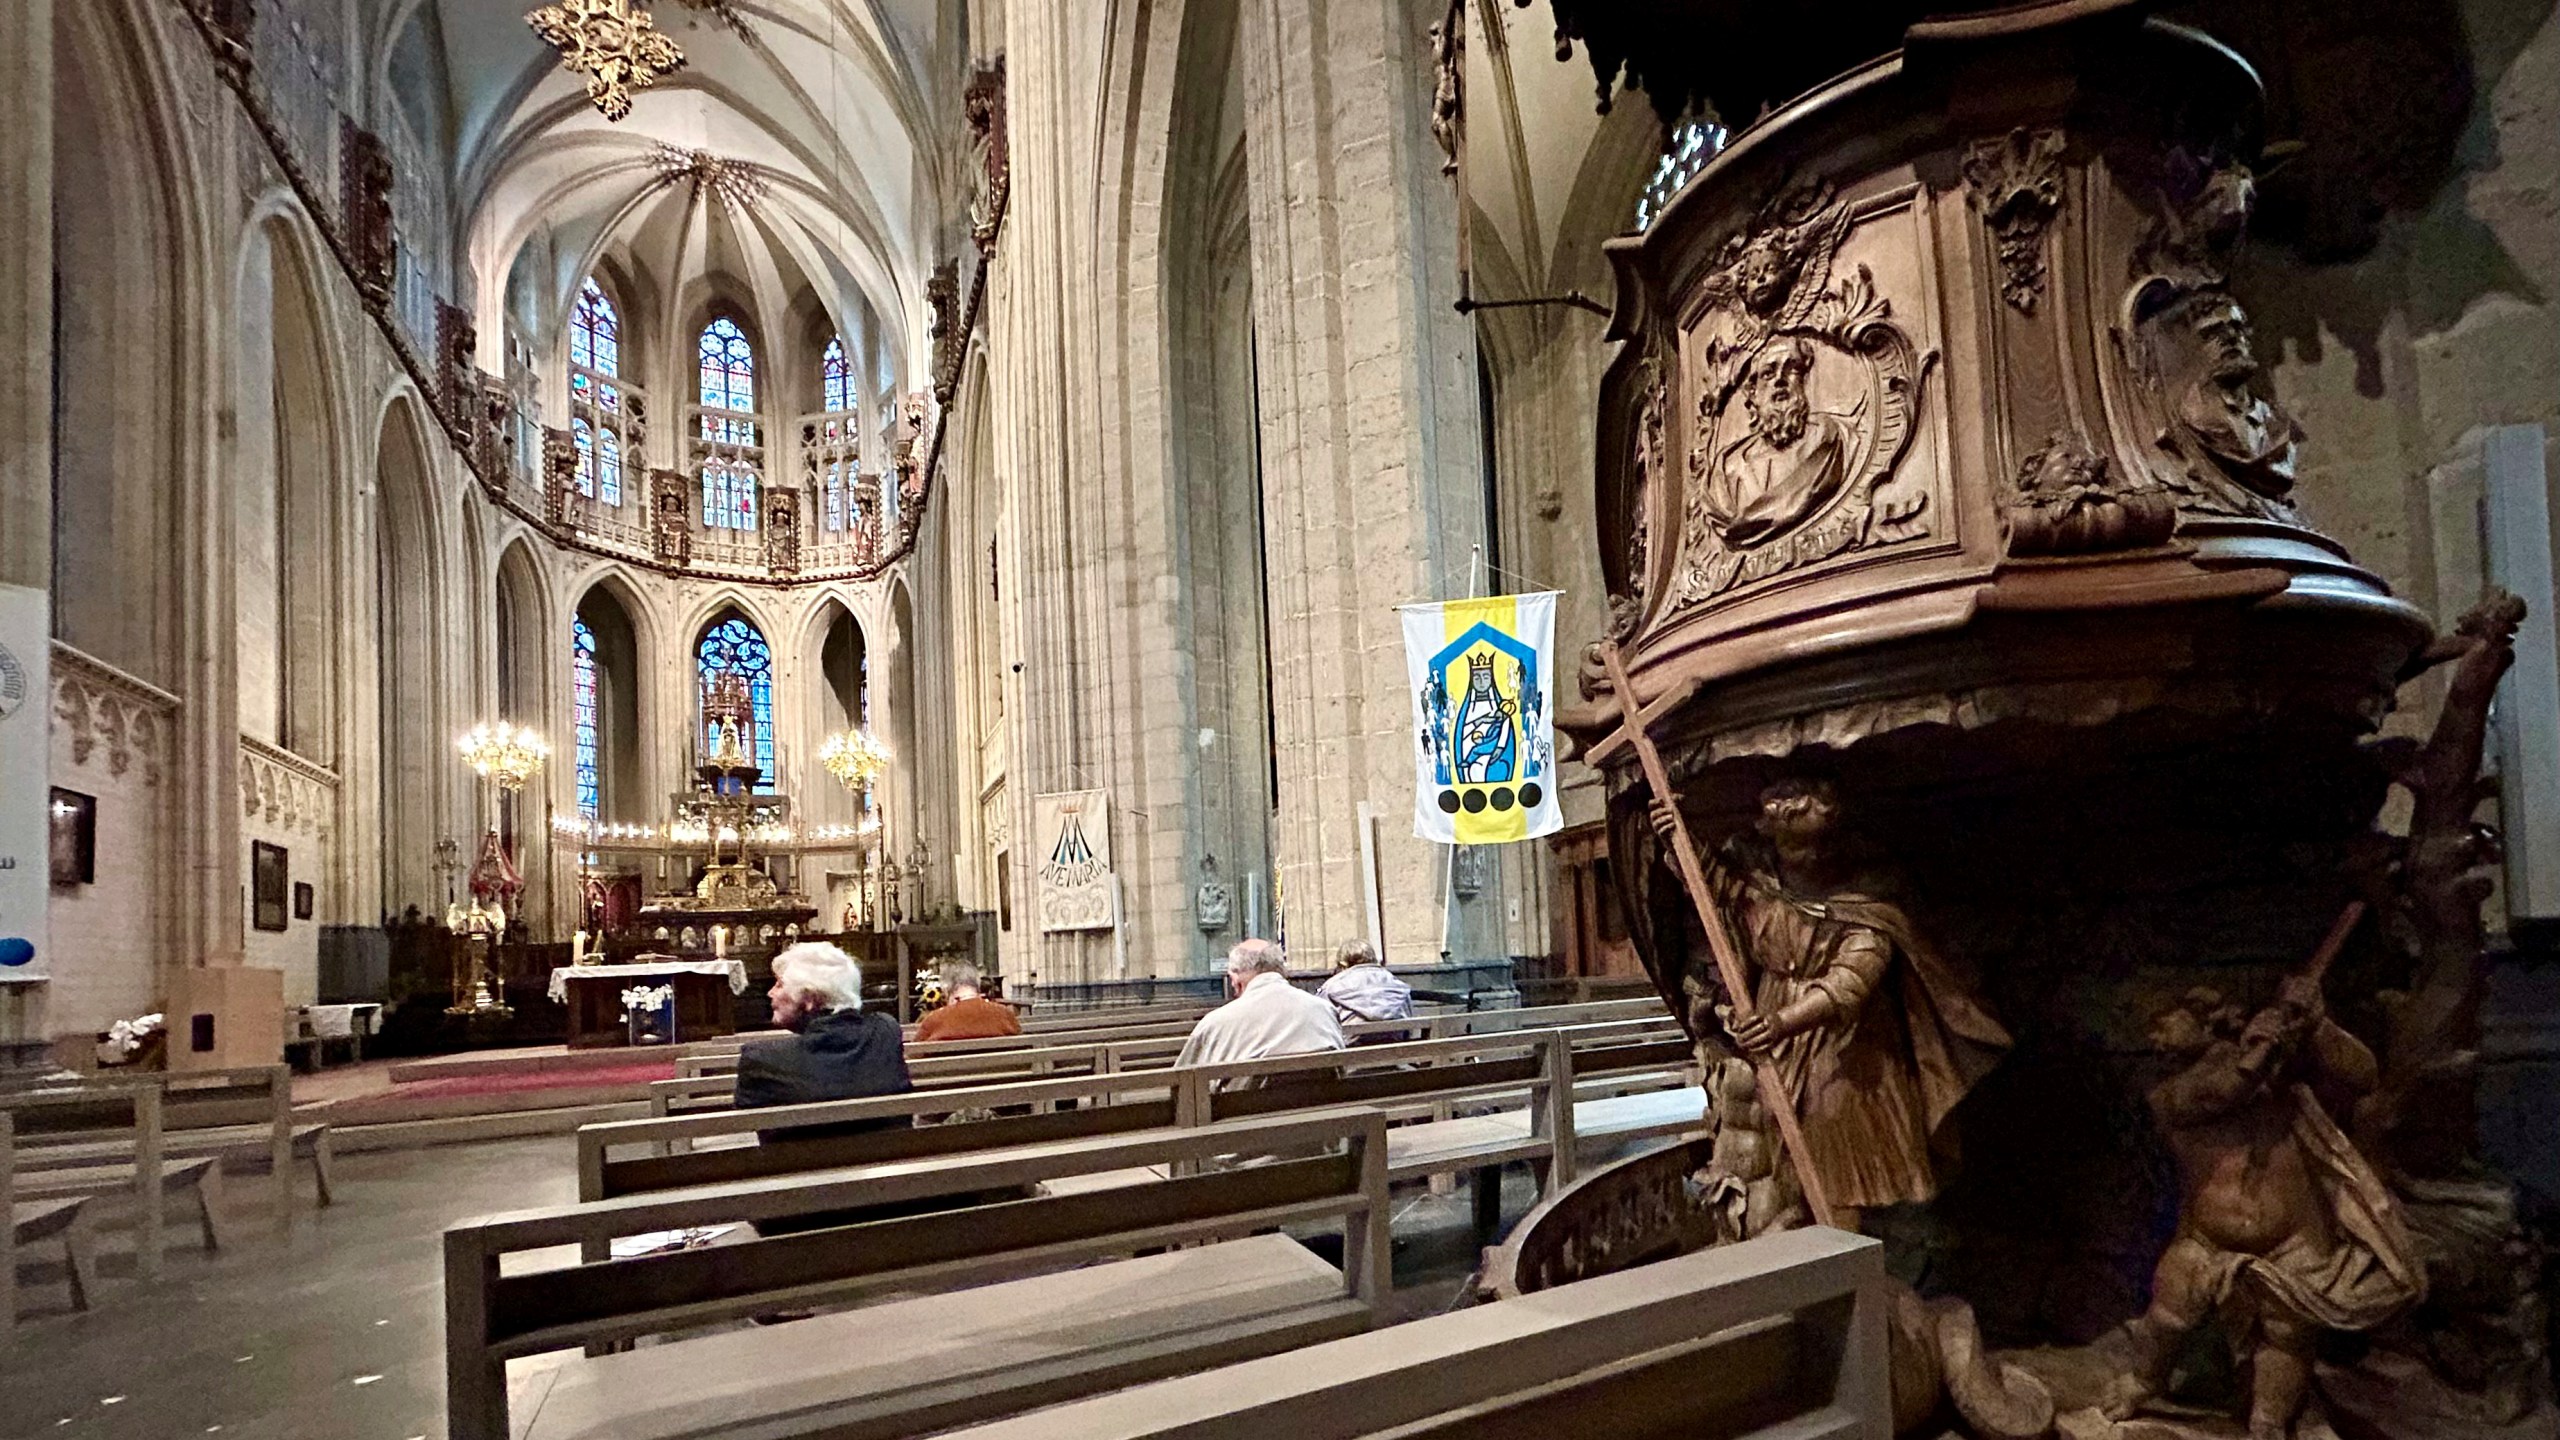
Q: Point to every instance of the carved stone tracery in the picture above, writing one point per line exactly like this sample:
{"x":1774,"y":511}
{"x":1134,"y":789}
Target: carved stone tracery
{"x":108,"y":713}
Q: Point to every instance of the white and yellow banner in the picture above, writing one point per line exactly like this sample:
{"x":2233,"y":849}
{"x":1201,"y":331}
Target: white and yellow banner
{"x":1483,"y":678}
{"x":25,"y":812}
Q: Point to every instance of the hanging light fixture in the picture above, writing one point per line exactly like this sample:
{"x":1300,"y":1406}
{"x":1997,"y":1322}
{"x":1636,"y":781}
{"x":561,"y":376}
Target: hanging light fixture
{"x":854,"y":757}
{"x":508,"y":754}
{"x":614,"y":43}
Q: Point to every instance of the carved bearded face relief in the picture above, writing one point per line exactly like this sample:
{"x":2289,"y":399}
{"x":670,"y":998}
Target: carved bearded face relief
{"x":1779,"y":407}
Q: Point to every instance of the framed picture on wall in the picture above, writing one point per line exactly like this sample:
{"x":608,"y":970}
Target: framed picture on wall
{"x":74,"y":818}
{"x":302,"y":899}
{"x":268,"y":876}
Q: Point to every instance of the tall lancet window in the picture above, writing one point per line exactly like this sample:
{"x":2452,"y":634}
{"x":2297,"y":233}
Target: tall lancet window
{"x":595,"y":391}
{"x":837,"y":453}
{"x":735,"y":645}
{"x":728,"y":372}
{"x":582,"y":717}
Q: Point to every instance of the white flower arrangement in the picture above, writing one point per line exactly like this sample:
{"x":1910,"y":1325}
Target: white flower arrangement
{"x":126,"y":1037}
{"x":646,"y":997}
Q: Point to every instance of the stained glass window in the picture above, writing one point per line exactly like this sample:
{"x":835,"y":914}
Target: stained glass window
{"x":839,"y":375}
{"x":735,"y":645}
{"x":728,"y":366}
{"x":609,"y":468}
{"x":586,"y":439}
{"x":728,"y":496}
{"x":582,"y":715}
{"x":595,"y":332}
{"x":1691,"y":145}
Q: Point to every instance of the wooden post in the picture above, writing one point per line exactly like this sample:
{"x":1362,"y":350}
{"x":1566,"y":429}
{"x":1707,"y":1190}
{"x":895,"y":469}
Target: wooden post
{"x":475,"y":1382}
{"x":1737,"y":981}
{"x":1552,"y":1116}
{"x":150,"y":1203}
{"x":1368,"y":1252}
{"x":280,"y":1140}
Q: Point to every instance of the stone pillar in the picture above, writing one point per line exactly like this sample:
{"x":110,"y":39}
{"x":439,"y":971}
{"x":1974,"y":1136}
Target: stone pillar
{"x":26,"y":293}
{"x":1372,"y":491}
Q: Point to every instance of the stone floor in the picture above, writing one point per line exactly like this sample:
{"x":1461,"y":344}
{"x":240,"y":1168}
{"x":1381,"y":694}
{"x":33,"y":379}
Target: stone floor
{"x":336,"y":1333}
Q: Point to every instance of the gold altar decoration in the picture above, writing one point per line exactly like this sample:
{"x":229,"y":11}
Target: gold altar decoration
{"x":507,"y":754}
{"x":614,"y":43}
{"x":854,"y":757}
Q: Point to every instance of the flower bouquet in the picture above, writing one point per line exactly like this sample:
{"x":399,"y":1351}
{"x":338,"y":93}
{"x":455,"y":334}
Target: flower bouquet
{"x":650,"y":1012}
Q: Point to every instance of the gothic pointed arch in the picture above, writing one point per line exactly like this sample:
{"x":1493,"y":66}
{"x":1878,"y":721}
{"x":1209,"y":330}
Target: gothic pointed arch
{"x":733,"y":645}
{"x":408,"y":603}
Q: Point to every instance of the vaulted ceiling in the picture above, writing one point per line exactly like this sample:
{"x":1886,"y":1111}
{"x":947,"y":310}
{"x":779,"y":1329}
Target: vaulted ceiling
{"x":806,"y":145}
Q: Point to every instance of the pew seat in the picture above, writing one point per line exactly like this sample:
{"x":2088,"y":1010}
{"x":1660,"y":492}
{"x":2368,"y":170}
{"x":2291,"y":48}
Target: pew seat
{"x":890,"y":1369}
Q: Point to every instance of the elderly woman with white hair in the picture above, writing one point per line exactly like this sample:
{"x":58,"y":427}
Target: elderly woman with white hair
{"x":836,"y":1051}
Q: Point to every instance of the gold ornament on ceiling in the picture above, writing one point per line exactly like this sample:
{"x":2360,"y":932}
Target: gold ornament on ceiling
{"x":613,"y":43}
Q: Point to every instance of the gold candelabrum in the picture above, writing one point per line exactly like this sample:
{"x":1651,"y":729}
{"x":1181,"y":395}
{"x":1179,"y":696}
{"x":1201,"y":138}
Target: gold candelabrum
{"x":508,"y":756}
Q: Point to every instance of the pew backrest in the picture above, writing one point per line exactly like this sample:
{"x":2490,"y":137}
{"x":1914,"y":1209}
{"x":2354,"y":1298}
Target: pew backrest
{"x":670,"y":1162}
{"x":92,"y":1107}
{"x":1784,"y":1335}
{"x":1329,"y":1167}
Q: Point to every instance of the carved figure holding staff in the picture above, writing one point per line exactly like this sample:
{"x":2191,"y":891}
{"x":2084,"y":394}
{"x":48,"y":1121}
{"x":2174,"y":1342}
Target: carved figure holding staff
{"x":1873,"y":1033}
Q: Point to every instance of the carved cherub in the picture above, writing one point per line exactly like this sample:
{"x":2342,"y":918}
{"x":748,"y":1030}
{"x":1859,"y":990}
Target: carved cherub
{"x":2284,"y":1229}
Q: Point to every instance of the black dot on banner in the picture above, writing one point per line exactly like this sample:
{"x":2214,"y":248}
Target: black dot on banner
{"x":1474,"y":801}
{"x":1530,"y":795}
{"x":1448,"y":802}
{"x":1502,"y":798}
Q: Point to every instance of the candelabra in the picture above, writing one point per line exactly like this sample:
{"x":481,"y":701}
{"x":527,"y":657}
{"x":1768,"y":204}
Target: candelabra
{"x":854,"y":757}
{"x":508,"y":754}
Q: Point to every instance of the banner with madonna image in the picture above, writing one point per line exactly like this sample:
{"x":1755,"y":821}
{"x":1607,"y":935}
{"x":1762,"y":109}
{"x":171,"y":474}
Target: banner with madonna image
{"x":1483,"y":680}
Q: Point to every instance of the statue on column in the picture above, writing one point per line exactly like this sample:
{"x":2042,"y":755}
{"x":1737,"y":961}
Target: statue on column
{"x":1875,"y":1033}
{"x":2284,"y":1230}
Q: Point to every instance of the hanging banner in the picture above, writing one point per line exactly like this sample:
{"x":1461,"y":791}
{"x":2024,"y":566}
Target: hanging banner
{"x":1074,"y":829}
{"x":1483,"y":678}
{"x":25,"y":815}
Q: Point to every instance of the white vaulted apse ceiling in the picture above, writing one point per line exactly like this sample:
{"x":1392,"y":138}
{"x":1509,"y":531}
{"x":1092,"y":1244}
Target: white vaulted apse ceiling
{"x":833,"y":104}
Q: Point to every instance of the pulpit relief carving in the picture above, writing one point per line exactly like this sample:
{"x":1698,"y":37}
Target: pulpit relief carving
{"x":1808,"y":399}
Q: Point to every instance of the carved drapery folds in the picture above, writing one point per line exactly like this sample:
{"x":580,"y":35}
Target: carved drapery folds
{"x":913,"y":416}
{"x":561,"y":500}
{"x":983,"y":106}
{"x":782,"y":529}
{"x":671,"y":516}
{"x":457,"y":378}
{"x":942,"y":297}
{"x":364,"y":185}
{"x":2015,"y":184}
{"x":866,"y":533}
{"x":2226,"y":448}
{"x":112,"y":718}
{"x":1808,"y":394}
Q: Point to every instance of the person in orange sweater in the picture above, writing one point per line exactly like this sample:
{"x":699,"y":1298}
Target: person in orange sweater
{"x":966,"y":1015}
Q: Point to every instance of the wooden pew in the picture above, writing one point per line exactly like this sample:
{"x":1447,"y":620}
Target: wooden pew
{"x":242,"y":1117}
{"x":81,"y":1112}
{"x":31,"y":1221}
{"x":1034,"y":1332}
{"x":1779,"y":1338}
{"x":1535,"y":1082}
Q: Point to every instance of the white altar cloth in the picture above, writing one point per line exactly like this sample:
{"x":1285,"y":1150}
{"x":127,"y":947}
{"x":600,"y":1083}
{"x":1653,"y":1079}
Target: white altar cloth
{"x":638,"y":971}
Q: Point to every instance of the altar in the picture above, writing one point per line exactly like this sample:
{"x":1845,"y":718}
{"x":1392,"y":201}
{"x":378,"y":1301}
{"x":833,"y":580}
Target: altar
{"x":705,"y":996}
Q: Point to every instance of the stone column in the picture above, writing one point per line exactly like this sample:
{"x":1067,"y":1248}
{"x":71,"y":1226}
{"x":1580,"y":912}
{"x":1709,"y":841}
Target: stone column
{"x":1372,"y":489}
{"x":26,"y":293}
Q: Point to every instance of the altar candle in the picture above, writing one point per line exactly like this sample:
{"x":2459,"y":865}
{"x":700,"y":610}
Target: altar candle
{"x":719,"y":942}
{"x":578,"y":948}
